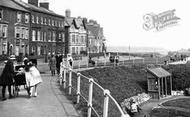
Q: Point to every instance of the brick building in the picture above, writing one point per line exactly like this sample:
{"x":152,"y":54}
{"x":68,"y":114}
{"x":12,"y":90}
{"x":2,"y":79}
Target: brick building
{"x":47,"y":32}
{"x":14,"y":29}
{"x":76,"y":35}
{"x":96,"y":39}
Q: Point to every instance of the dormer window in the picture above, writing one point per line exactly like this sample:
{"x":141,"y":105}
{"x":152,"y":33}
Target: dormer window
{"x":19,"y":17}
{"x":1,"y":14}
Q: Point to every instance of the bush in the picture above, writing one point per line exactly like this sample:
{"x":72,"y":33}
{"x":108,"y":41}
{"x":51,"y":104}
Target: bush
{"x":180,"y":76}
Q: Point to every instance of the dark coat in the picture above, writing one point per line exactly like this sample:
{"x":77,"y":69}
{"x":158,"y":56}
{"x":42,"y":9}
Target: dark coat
{"x":7,"y":74}
{"x":58,"y":61}
{"x":52,"y":64}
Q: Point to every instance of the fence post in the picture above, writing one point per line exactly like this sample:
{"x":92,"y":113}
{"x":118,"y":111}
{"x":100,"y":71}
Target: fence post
{"x":79,"y":64}
{"x":106,"y":102}
{"x":78,"y":87}
{"x":70,"y":80}
{"x":64,"y":77}
{"x":90,"y":97}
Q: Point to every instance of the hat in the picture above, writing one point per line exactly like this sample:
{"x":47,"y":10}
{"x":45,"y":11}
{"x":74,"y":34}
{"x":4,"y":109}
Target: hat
{"x":12,"y":57}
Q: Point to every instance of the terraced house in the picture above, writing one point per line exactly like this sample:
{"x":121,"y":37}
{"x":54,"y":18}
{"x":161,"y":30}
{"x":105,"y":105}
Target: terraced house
{"x":96,"y":39}
{"x":14,"y":29}
{"x":76,"y":34}
{"x":47,"y":33}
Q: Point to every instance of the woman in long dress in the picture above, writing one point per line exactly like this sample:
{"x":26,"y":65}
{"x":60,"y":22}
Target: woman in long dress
{"x":33,"y":78}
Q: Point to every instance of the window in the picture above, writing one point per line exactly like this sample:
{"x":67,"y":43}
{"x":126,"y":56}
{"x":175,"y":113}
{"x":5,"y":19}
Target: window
{"x":26,"y":33}
{"x":4,"y":31}
{"x":23,"y":33}
{"x":39,"y":50}
{"x":73,"y":38}
{"x":59,"y":36}
{"x":33,"y":35}
{"x":45,"y":21}
{"x":54,"y":36}
{"x":42,"y":21}
{"x":1,"y":14}
{"x":49,"y":39}
{"x":63,"y":37}
{"x":49,"y":22}
{"x":17,"y":32}
{"x":33,"y":19}
{"x":77,"y":41}
{"x":38,"y":36}
{"x":45,"y":37}
{"x":37,"y":19}
{"x":42,"y":36}
{"x":26,"y":18}
{"x":52,"y":22}
{"x":73,"y":49}
{"x":55,"y":23}
{"x":19,"y":16}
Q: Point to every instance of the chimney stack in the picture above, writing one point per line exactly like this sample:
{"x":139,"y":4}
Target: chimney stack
{"x":68,"y":13}
{"x":33,"y":2}
{"x":45,"y":5}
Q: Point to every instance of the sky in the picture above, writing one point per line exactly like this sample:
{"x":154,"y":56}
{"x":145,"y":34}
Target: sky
{"x":122,"y":21}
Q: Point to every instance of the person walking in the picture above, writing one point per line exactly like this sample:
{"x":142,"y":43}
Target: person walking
{"x":34,"y":79}
{"x":69,"y":61}
{"x":52,"y":65}
{"x":58,"y":61}
{"x":7,"y":76}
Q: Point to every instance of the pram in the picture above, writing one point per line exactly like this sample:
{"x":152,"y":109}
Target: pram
{"x":19,"y":79}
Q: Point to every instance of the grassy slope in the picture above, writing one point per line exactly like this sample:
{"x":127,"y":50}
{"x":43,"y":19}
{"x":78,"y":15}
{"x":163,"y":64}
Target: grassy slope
{"x":123,"y":82}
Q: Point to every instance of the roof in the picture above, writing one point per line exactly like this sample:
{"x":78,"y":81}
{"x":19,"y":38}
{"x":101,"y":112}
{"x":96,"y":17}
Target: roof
{"x":11,"y":4}
{"x":159,"y":72}
{"x":94,"y":29}
{"x":68,"y":21}
{"x":38,"y":9}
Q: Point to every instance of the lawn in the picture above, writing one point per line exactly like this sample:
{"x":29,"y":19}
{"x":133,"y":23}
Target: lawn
{"x":123,"y":82}
{"x":182,"y":103}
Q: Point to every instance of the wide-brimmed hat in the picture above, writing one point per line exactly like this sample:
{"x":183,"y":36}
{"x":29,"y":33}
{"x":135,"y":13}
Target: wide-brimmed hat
{"x":12,"y":57}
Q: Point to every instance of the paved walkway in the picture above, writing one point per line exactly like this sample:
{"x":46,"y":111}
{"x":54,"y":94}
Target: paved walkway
{"x":51,"y":102}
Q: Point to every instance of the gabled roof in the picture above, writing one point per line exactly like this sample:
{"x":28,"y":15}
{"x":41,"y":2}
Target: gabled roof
{"x":38,"y":9}
{"x":69,"y":21}
{"x":159,"y":72}
{"x":11,"y":4}
{"x":93,"y":29}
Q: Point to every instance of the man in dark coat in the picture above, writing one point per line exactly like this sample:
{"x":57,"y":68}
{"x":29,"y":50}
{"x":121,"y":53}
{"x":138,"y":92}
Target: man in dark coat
{"x":6,"y":78}
{"x":58,"y":61}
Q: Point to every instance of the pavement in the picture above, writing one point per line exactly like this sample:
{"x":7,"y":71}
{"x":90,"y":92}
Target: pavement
{"x":50,"y":102}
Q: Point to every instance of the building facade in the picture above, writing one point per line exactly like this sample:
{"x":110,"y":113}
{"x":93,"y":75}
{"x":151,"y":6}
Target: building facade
{"x":76,"y":34}
{"x":47,"y":33}
{"x":14,"y":29}
{"x":96,"y":39}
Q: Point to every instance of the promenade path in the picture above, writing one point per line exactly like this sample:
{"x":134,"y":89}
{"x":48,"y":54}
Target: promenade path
{"x":51,"y":101}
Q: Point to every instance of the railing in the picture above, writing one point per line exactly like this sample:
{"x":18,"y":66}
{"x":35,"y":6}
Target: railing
{"x":91,"y":84}
{"x":104,"y":63}
{"x":67,"y":80}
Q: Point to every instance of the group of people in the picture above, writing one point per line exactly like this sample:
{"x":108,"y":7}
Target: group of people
{"x":56,"y":63}
{"x":31,"y":73}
